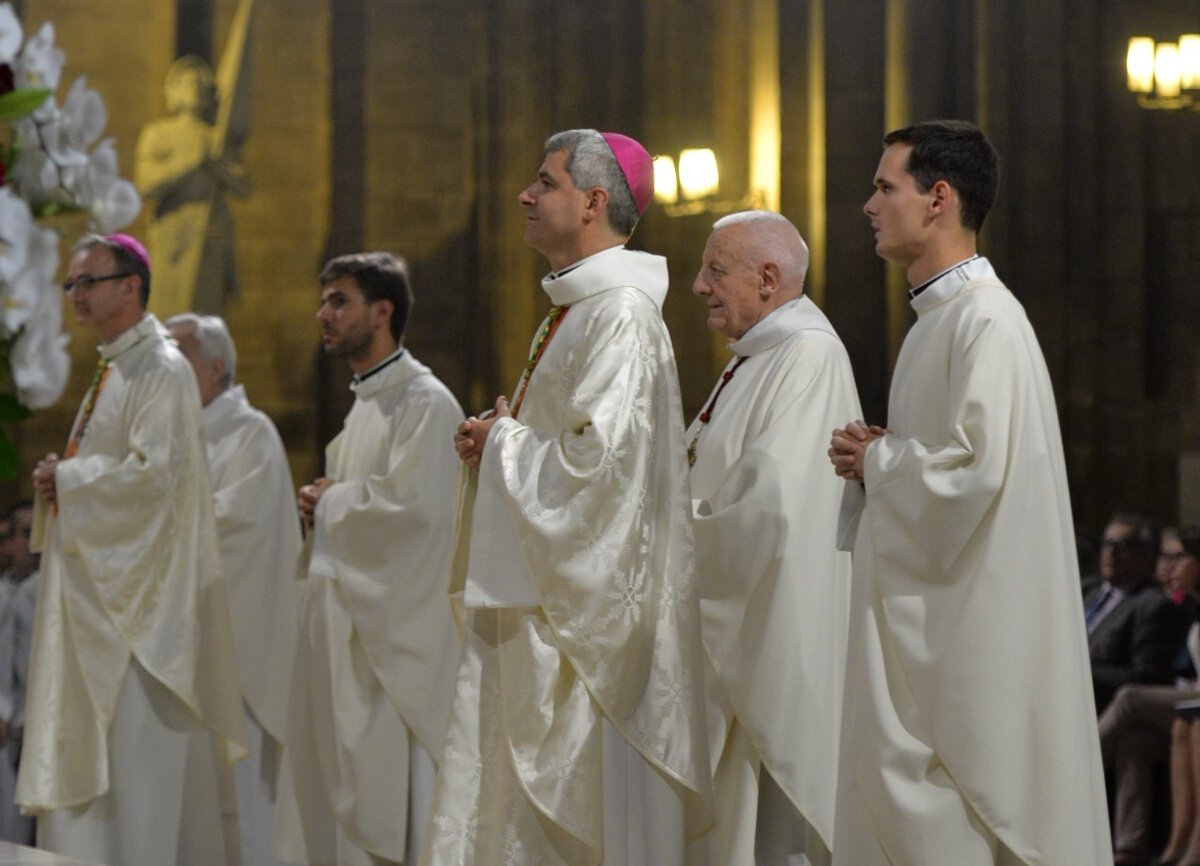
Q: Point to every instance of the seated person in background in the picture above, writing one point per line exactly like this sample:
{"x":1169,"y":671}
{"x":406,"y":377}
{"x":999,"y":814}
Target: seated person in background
{"x":1135,"y":730}
{"x":1134,"y":631}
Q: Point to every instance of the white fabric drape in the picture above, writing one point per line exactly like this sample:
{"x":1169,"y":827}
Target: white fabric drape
{"x":969,"y":716}
{"x":592,"y":481}
{"x":774,"y":588}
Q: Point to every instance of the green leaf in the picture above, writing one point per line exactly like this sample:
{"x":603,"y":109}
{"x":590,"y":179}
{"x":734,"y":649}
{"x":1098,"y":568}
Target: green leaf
{"x":9,"y":458}
{"x":22,"y":103}
{"x":12,"y":409}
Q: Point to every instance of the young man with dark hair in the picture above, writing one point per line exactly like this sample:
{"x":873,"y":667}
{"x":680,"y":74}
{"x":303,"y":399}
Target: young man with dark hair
{"x":970,"y":730}
{"x":374,"y":665}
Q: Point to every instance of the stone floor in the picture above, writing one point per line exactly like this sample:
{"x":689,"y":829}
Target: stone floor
{"x":18,"y":855}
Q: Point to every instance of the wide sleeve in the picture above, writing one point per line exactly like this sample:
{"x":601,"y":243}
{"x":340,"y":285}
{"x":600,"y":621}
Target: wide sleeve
{"x":387,"y":538}
{"x":259,"y":533}
{"x":934,"y":484}
{"x":774,"y":588}
{"x":594,"y":476}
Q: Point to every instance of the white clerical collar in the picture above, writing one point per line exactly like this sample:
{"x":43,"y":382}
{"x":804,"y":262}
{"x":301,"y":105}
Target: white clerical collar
{"x":382,"y":365}
{"x":129,"y":338}
{"x":562,"y":272}
{"x":947,"y":284}
{"x":798,"y":314}
{"x":232,"y":396}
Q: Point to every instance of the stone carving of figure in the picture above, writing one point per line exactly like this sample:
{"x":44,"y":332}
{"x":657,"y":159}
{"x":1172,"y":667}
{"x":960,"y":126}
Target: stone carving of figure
{"x":187,"y":165}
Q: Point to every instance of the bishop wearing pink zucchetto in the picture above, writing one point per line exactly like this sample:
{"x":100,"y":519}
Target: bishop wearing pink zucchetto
{"x":577,"y":734}
{"x":133,"y":698}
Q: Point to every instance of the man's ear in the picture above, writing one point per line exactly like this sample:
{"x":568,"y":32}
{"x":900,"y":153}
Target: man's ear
{"x":768,"y":276}
{"x":381,"y":313}
{"x":942,"y":198}
{"x":597,"y":203}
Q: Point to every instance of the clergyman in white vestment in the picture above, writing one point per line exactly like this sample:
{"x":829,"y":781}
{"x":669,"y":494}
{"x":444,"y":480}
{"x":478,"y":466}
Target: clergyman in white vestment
{"x":375,"y":660}
{"x":259,"y":536}
{"x":774,"y":587}
{"x":133,"y":697}
{"x":969,"y":726}
{"x":577,"y":735}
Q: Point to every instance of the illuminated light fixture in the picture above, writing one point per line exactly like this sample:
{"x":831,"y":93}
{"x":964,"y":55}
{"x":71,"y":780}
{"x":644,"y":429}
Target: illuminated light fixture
{"x":1166,"y":69}
{"x":666,"y":188}
{"x":698,"y":174}
{"x":1189,"y":61}
{"x":1139,"y":64}
{"x":1161,"y":74}
{"x":695,"y":188}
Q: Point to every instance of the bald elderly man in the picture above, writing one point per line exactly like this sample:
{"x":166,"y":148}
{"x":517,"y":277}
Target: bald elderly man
{"x":775,"y":611}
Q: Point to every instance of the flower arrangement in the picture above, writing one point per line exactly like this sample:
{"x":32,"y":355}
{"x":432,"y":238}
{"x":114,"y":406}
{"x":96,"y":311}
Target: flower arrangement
{"x":50,"y":163}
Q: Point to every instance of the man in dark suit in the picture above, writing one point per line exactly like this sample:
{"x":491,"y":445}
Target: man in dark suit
{"x":1134,"y":631}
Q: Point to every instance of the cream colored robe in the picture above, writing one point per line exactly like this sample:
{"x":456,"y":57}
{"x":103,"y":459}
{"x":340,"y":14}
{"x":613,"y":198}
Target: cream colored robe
{"x":774,"y":588}
{"x":259,"y":535}
{"x":378,"y":646}
{"x":601,"y":631}
{"x":130,"y":571}
{"x":969,"y":720}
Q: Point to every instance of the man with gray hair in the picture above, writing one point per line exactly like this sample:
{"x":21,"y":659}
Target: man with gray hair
{"x":259,"y":538}
{"x":578,"y":729}
{"x":775,"y":612}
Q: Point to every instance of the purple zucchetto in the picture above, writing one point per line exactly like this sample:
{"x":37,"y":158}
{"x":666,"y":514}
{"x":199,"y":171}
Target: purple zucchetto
{"x":132,"y":245}
{"x":636,"y":165}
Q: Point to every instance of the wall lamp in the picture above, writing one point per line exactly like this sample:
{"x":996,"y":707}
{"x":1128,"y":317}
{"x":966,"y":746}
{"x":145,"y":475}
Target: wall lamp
{"x":694,"y":187}
{"x":1164,"y":74}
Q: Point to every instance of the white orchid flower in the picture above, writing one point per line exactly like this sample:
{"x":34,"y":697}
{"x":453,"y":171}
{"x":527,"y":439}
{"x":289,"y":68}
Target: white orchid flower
{"x":40,"y":63}
{"x":40,"y":364}
{"x":16,"y":225}
{"x":11,"y":33}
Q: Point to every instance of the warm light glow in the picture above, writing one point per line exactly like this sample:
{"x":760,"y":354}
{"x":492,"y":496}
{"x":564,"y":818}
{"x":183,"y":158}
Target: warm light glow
{"x":666,"y":188}
{"x":1189,"y":61}
{"x":698,"y":176}
{"x":1166,"y":69}
{"x":1139,"y":64}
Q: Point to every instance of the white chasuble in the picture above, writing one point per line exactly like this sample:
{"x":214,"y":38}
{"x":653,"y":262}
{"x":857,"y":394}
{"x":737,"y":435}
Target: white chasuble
{"x":259,"y":535}
{"x":592,"y":480}
{"x":130,"y":571}
{"x":970,"y":728}
{"x":378,"y":647}
{"x":774,"y":588}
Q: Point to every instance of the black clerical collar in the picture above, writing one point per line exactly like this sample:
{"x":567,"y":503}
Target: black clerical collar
{"x":916,"y":291}
{"x":381,"y":366}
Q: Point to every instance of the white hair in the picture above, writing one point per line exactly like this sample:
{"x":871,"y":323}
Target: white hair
{"x":212,"y":336}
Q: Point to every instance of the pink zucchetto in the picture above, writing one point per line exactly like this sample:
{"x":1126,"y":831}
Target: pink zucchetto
{"x":133,"y":245}
{"x":636,"y":165}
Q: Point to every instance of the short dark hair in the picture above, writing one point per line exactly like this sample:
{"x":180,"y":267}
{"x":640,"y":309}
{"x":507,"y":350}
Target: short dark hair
{"x":1145,"y":531}
{"x":126,"y":262}
{"x":380,"y":277}
{"x":959,"y":153}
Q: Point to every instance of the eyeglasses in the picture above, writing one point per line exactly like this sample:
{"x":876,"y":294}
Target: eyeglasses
{"x":1177,"y":556}
{"x":1124,"y":544}
{"x":84,"y":282}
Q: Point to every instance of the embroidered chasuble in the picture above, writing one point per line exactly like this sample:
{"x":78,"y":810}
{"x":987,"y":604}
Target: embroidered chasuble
{"x":970,"y":728}
{"x":377,"y":650}
{"x":774,"y":588}
{"x":130,"y":571}
{"x":583,"y":657}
